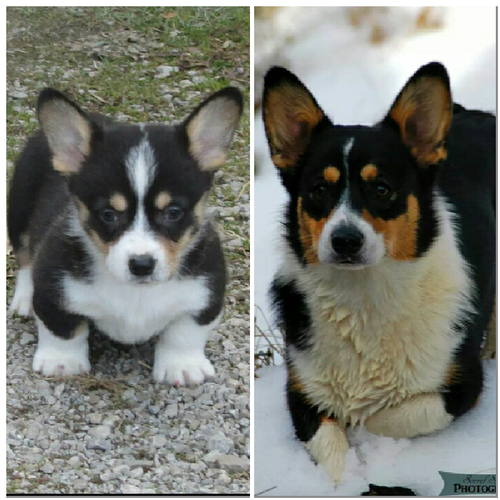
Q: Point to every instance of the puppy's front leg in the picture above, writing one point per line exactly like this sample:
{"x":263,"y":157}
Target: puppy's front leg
{"x":180,"y":353}
{"x":324,"y":437}
{"x":418,"y":415}
{"x":62,"y":356}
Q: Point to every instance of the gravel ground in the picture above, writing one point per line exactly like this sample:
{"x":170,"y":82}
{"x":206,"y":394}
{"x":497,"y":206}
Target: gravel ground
{"x":115,"y":430}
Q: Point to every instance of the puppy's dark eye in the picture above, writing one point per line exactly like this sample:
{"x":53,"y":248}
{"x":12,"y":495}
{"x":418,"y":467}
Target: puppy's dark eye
{"x":382,"y":190}
{"x":108,"y":216}
{"x":318,"y":191}
{"x":173,"y":213}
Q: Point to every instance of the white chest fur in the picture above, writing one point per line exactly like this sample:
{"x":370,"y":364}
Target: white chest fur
{"x":383,"y":333}
{"x":131,"y":313}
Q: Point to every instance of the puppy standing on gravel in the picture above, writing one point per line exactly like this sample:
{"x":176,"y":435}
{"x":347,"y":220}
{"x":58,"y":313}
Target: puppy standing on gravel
{"x":107,"y":224}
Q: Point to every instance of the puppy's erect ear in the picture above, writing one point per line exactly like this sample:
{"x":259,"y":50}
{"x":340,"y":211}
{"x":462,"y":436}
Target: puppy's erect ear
{"x":68,"y":130}
{"x":290,"y":115}
{"x":211,"y":126}
{"x":423,"y":113}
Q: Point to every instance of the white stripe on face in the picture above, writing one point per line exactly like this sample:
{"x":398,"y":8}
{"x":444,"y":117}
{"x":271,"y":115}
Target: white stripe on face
{"x":139,"y":239}
{"x":141,"y":168}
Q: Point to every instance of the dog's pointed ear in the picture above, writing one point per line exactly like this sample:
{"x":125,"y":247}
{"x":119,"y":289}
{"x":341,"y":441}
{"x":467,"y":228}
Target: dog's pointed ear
{"x":423,"y":112}
{"x":211,"y":126}
{"x":67,"y":128}
{"x":290,"y":115}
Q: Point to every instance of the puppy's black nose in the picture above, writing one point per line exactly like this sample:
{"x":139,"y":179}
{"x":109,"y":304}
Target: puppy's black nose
{"x":347,"y":240}
{"x":141,"y":265}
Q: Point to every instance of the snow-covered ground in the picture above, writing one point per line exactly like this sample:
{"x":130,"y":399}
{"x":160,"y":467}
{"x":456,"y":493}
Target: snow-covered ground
{"x":283,"y":467}
{"x":355,"y":82}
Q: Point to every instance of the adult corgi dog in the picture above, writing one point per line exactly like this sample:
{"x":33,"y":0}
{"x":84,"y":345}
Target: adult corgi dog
{"x":388,"y":282}
{"x":108,"y":227}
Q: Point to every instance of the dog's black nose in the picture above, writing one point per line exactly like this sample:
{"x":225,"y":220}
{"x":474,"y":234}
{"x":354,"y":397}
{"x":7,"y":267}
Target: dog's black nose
{"x":347,"y":240}
{"x":141,"y":265}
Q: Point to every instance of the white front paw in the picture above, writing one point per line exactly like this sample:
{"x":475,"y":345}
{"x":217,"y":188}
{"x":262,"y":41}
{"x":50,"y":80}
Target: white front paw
{"x":51,"y":362}
{"x":182,"y":369}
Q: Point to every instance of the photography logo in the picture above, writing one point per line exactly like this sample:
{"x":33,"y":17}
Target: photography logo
{"x":468,"y":484}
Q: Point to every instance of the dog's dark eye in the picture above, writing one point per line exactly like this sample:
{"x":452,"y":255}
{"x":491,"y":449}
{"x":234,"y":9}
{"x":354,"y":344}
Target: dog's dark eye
{"x":108,"y":216}
{"x":173,"y":213}
{"x":318,"y":191}
{"x":382,"y":190}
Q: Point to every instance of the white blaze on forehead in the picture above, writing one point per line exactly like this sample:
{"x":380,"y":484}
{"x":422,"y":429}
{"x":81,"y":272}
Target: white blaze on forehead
{"x":141,"y":167}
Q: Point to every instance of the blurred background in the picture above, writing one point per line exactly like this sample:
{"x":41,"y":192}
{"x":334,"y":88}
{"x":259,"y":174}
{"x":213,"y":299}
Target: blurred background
{"x":355,"y":60}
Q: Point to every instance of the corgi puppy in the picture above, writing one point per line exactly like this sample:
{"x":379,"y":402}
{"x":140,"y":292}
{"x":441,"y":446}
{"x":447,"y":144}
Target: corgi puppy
{"x":108,"y":228}
{"x":388,"y":283}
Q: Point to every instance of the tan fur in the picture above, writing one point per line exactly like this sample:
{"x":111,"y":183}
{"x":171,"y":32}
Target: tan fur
{"x":400,"y":234}
{"x":163,"y":200}
{"x":309,"y":232}
{"x":331,"y":174}
{"x":328,"y":447}
{"x":83,"y":212}
{"x":423,"y":112}
{"x":290,"y":116}
{"x":373,"y":350}
{"x":118,"y":202}
{"x":103,"y":246}
{"x":369,"y":172}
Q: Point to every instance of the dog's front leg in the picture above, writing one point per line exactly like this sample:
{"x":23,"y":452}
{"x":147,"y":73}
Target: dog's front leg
{"x":180,"y":353}
{"x":418,"y":415}
{"x":58,"y":356}
{"x":324,"y":436}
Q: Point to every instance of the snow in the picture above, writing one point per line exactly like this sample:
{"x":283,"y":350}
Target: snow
{"x":356,"y":82}
{"x":284,"y":468}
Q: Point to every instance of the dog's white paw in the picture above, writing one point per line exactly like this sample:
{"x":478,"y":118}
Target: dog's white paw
{"x":57,"y":356}
{"x":23,"y":294}
{"x":52,"y":362}
{"x":182,"y":369}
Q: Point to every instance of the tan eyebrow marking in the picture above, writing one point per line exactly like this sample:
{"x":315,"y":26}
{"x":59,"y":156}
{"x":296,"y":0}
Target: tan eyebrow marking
{"x":118,"y":202}
{"x":331,"y":174}
{"x":369,"y":172}
{"x":162,"y":200}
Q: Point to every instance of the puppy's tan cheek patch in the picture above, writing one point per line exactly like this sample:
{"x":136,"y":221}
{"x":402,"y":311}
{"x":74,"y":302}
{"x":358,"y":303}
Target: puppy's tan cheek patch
{"x":118,"y":202}
{"x":174,"y":250}
{"x":369,"y":172}
{"x":103,"y":246}
{"x":162,"y":200}
{"x":310,"y":231}
{"x":83,"y":213}
{"x":400,"y":234}
{"x":331,"y":174}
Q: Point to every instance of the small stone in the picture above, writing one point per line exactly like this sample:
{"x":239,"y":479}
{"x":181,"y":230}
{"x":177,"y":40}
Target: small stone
{"x":18,"y":95}
{"x":233,"y":464}
{"x":199,"y":79}
{"x":94,"y":418}
{"x":171,"y":410}
{"x":219,"y":442}
{"x":153,"y":409}
{"x":48,"y":468}
{"x":137,"y":472}
{"x":98,"y":444}
{"x":165,"y":71}
{"x":94,"y":399}
{"x":159,"y":441}
{"x":26,"y":338}
{"x":130,"y":489}
{"x":100,"y":432}
{"x":185,"y":83}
